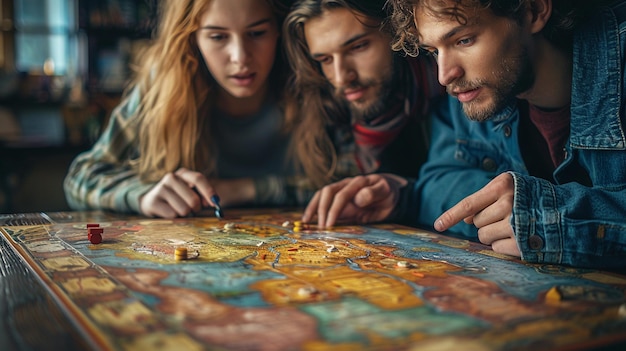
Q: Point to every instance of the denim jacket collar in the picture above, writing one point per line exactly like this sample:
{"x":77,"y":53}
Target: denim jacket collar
{"x":505,"y":113}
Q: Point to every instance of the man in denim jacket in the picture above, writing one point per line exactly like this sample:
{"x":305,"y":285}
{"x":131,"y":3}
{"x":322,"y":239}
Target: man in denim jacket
{"x":542,"y":82}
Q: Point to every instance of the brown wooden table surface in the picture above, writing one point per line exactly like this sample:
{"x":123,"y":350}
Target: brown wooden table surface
{"x":29,"y":318}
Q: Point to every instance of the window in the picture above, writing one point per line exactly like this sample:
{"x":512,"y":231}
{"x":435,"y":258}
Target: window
{"x":6,"y":35}
{"x":46,"y":37}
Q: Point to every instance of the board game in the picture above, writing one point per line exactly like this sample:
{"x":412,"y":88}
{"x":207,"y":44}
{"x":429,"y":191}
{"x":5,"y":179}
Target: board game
{"x":257,"y":281}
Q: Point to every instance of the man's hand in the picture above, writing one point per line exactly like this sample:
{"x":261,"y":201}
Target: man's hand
{"x":177,"y":194}
{"x":361,"y":199}
{"x":490,"y":210}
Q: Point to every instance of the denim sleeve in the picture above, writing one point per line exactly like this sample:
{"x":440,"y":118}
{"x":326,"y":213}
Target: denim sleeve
{"x":102,"y":178}
{"x":569,"y":224}
{"x":445,"y":178}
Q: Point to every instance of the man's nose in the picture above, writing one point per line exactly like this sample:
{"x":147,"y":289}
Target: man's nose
{"x":449,"y":69}
{"x":344,"y":72}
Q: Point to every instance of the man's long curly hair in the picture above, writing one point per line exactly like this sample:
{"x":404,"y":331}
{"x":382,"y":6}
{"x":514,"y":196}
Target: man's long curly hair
{"x":321,"y":113}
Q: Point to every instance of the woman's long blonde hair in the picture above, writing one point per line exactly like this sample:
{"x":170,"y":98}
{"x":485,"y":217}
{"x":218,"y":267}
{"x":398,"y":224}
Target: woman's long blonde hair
{"x":176,"y":91}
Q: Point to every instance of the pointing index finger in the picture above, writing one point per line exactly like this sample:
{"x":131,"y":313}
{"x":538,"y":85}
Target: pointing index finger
{"x":468,"y":207}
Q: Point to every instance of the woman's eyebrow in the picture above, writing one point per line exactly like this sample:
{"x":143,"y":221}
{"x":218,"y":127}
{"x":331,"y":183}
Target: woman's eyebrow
{"x":257,"y":23}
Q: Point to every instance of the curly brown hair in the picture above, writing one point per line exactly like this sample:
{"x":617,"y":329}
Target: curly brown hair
{"x":566,"y":15}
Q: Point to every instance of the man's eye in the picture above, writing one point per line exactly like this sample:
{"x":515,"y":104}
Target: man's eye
{"x":429,"y":51}
{"x":360,"y":46}
{"x":323,"y":60}
{"x":466,"y":41}
{"x":257,"y":33}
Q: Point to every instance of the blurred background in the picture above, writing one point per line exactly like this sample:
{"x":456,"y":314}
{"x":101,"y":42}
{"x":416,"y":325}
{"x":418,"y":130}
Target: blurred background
{"x":63,"y":67}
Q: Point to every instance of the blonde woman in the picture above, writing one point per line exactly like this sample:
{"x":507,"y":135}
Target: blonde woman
{"x":206,"y":114}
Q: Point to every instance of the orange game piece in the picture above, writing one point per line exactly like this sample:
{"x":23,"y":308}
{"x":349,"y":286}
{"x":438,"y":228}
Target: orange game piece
{"x":553,"y":295}
{"x":180,"y":253}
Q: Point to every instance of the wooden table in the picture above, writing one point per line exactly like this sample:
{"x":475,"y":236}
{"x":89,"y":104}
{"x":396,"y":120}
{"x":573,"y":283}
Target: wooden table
{"x":259,"y":280}
{"x":30,"y":318}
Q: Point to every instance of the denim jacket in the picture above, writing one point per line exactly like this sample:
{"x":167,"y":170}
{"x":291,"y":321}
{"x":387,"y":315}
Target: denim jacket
{"x":561,"y":222}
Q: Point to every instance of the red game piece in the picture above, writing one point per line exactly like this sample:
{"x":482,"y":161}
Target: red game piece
{"x":94,"y":235}
{"x":92,"y":225}
{"x":95,"y":238}
{"x":95,"y":230}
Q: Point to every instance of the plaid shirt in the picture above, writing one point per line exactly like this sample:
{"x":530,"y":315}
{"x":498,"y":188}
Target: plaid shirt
{"x":103,"y":177}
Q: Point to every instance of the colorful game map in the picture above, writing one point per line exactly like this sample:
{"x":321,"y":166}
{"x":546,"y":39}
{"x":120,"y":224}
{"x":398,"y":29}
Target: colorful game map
{"x":266,"y":282}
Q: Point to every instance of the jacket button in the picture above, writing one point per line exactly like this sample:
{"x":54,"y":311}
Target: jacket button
{"x":489,"y":164}
{"x":507,"y":130}
{"x":535,"y":242}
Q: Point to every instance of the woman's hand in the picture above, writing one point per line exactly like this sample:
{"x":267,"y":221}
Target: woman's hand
{"x":178,"y":194}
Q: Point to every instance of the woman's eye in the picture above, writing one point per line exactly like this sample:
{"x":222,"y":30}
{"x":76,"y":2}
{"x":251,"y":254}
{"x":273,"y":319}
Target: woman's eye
{"x":217,"y":37}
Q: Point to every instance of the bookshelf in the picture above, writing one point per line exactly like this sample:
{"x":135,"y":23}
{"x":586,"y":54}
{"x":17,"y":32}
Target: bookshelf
{"x":114,"y":30}
{"x":55,"y":114}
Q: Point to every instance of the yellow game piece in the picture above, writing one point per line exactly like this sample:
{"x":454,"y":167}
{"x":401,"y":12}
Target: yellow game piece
{"x":553,"y":295}
{"x":180,"y":253}
{"x":297,"y":229}
{"x":297,"y":223}
{"x":307,"y":291}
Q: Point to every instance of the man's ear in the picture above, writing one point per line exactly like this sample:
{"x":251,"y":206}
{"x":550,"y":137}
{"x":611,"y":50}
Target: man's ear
{"x":539,"y":12}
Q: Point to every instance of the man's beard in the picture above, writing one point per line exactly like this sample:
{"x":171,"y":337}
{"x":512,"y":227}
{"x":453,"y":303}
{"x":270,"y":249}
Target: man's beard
{"x":513,"y":77}
{"x":386,"y":95}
